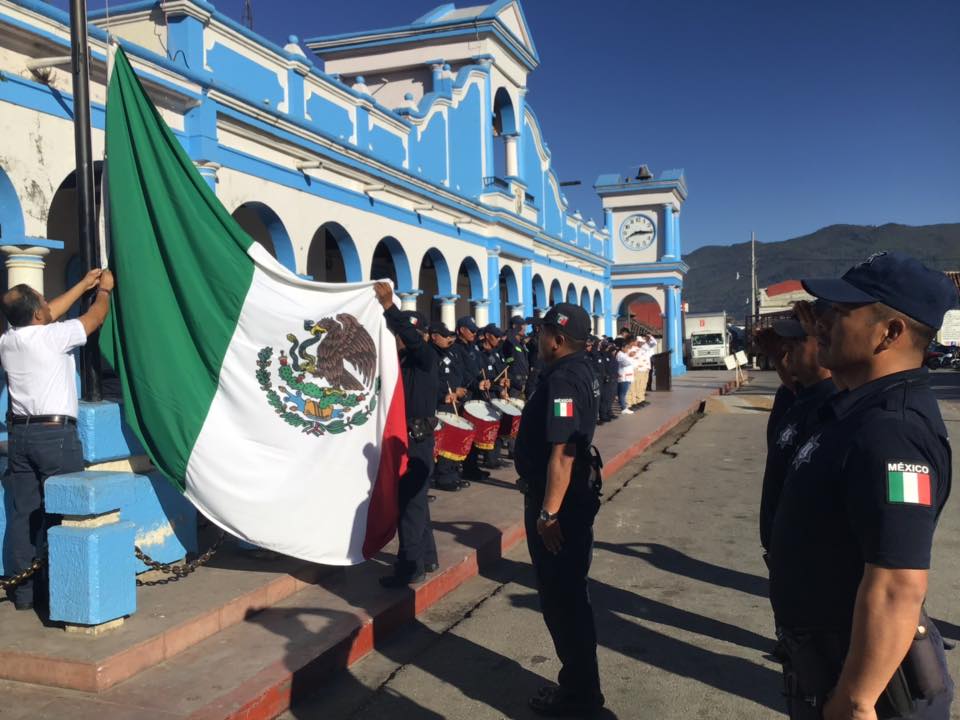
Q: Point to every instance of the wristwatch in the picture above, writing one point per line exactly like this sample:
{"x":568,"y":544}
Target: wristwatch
{"x":547,"y":517}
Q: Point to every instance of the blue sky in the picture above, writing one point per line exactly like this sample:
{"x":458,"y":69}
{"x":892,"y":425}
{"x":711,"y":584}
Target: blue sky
{"x":787,"y":116}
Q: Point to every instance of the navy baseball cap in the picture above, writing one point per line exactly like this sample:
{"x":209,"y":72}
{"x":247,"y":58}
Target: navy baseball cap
{"x":789,"y":328}
{"x":416,"y":319}
{"x":532,"y":321}
{"x":492,"y":329}
{"x":468,"y":323}
{"x":517,"y":321}
{"x":896,"y":280}
{"x":571,"y":320}
{"x":438,"y":328}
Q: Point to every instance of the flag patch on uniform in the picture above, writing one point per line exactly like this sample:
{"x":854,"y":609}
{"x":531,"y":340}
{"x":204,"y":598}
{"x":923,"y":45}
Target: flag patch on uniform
{"x":908,"y":483}
{"x":563,"y":408}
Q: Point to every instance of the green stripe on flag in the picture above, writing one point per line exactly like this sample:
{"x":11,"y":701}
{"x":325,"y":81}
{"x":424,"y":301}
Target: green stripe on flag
{"x":895,"y":487}
{"x":182,"y":276}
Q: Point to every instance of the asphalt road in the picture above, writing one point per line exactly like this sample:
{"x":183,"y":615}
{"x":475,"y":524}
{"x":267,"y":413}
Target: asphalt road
{"x":679,"y":591}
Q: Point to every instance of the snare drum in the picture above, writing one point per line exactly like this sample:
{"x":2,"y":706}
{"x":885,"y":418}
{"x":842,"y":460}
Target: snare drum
{"x":454,"y":437}
{"x":510,"y":421}
{"x":486,"y":418}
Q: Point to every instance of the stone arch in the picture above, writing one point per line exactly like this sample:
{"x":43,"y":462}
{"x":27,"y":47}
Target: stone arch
{"x":509,"y":295}
{"x":504,"y":125}
{"x":390,"y":261}
{"x":433,"y":280}
{"x":469,"y":285}
{"x":556,"y":292}
{"x":540,"y":300}
{"x":63,"y":266}
{"x":333,"y":255}
{"x":572,"y":294}
{"x":597,"y":303}
{"x":640,"y":309}
{"x":585,"y":301}
{"x":261,"y":223}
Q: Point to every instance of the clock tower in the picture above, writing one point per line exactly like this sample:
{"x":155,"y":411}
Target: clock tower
{"x":642,"y":215}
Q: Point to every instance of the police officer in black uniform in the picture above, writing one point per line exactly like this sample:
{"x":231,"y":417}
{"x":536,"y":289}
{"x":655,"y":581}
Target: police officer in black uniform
{"x":477,"y":387}
{"x":496,"y":371}
{"x":451,"y":390}
{"x":418,"y":368}
{"x":561,"y":488}
{"x":533,"y":356}
{"x":814,"y":387}
{"x":514,"y":353}
{"x":608,"y":380}
{"x":851,"y":541}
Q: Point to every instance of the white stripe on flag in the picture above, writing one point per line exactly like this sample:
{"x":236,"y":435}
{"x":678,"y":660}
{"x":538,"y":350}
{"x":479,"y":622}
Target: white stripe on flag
{"x":911,"y":489}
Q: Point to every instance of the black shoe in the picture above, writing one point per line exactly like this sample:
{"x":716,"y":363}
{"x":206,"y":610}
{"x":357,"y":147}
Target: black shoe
{"x":23,"y":604}
{"x":449,"y":486}
{"x":431,"y":498}
{"x":399,"y":581}
{"x":555,"y":702}
{"x":476,"y":474}
{"x":431,"y":567}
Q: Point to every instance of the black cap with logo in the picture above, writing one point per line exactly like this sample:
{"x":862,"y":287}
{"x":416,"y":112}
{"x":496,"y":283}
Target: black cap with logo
{"x":416,"y":319}
{"x":438,"y":328}
{"x":571,"y":320}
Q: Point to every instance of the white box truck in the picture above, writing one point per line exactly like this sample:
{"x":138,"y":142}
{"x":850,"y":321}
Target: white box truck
{"x":706,"y":341}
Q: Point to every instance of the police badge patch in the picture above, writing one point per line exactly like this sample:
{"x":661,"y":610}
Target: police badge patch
{"x":787,"y":436}
{"x":805,"y":453}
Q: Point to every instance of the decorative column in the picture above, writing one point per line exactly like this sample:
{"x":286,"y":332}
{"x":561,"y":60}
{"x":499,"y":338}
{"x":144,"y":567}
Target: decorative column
{"x":408,"y":299}
{"x":493,"y":284}
{"x":25,"y":265}
{"x":448,"y":310}
{"x":677,"y":250}
{"x":608,"y":225}
{"x":520,"y":310}
{"x":673,"y":327}
{"x":512,"y":143}
{"x":208,"y":170}
{"x":608,"y":322}
{"x":480,"y":311}
{"x":526,"y":282}
{"x":436,"y":75}
{"x":668,"y":233}
{"x":597,"y":328}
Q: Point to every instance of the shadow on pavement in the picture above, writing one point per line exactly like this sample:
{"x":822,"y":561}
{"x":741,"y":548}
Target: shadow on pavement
{"x":669,"y":560}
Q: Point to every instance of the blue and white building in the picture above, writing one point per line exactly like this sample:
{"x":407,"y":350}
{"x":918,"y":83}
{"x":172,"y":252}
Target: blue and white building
{"x":410,"y":152}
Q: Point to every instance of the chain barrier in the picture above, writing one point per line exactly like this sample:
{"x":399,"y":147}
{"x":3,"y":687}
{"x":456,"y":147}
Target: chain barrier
{"x":23,"y":575}
{"x":177,"y":572}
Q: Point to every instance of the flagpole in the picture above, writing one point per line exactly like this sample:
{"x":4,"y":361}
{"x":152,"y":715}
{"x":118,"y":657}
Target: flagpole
{"x":86,"y":199}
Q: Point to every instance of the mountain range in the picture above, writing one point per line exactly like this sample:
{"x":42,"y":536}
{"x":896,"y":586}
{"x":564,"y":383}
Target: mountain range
{"x":719,"y":276}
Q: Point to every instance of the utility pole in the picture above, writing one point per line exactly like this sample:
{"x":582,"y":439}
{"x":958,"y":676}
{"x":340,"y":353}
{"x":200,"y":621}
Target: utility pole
{"x":753,"y":286}
{"x":247,"y":17}
{"x":86,"y":198}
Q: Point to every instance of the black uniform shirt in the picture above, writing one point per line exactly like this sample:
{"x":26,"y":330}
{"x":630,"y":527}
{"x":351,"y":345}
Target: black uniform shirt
{"x":418,"y":366}
{"x":515,"y":356}
{"x":866,"y":487}
{"x":471,"y":360}
{"x":450,"y":372}
{"x":781,"y":403}
{"x":562,"y":409}
{"x":793,"y":429}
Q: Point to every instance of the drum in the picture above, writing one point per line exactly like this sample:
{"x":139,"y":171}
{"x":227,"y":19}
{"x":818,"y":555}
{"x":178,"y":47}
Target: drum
{"x":486,"y":419}
{"x":453,"y":437}
{"x":510,"y":421}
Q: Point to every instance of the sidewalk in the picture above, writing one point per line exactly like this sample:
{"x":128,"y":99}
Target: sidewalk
{"x":244,"y":636}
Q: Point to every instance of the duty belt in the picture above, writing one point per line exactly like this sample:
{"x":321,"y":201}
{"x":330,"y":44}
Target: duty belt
{"x":42,"y":420}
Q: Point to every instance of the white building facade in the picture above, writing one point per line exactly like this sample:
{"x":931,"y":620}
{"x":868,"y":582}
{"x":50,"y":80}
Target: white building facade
{"x":412,"y":154}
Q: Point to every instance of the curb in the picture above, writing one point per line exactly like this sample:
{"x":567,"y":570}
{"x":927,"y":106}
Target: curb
{"x":270,"y":692}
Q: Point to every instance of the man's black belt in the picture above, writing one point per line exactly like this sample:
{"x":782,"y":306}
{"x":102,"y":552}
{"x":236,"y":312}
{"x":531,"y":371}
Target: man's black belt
{"x":43,"y":420}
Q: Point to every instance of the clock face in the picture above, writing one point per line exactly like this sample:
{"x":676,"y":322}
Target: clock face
{"x":638,"y":232}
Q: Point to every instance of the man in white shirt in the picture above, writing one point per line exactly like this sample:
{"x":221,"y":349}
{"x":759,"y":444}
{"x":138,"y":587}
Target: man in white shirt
{"x":641,"y":354}
{"x":37,"y":355}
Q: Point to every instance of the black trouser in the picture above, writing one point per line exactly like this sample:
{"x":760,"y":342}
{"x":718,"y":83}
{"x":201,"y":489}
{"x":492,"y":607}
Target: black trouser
{"x":445,"y":473}
{"x":564,"y":596}
{"x":607,"y":393}
{"x":417,"y":546}
{"x":35,"y":452}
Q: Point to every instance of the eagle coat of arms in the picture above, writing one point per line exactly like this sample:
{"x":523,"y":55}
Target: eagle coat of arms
{"x":329,"y":380}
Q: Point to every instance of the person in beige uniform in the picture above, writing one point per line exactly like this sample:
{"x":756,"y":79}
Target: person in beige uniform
{"x":37,"y":354}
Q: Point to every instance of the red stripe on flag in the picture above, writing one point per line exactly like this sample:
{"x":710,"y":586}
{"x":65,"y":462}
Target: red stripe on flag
{"x":923,"y":489}
{"x":384,"y":507}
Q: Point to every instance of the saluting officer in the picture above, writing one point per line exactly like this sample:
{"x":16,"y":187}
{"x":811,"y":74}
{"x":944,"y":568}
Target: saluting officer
{"x":417,"y":554}
{"x":37,"y":354}
{"x":814,"y":387}
{"x":560,"y":483}
{"x":451,"y":391}
{"x":852,"y":535}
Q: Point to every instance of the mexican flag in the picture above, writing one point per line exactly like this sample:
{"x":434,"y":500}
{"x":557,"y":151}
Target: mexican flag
{"x":274,"y":403}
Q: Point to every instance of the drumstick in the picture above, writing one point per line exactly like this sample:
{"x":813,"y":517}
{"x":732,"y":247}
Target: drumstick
{"x":450,"y":391}
{"x":484,"y":373}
